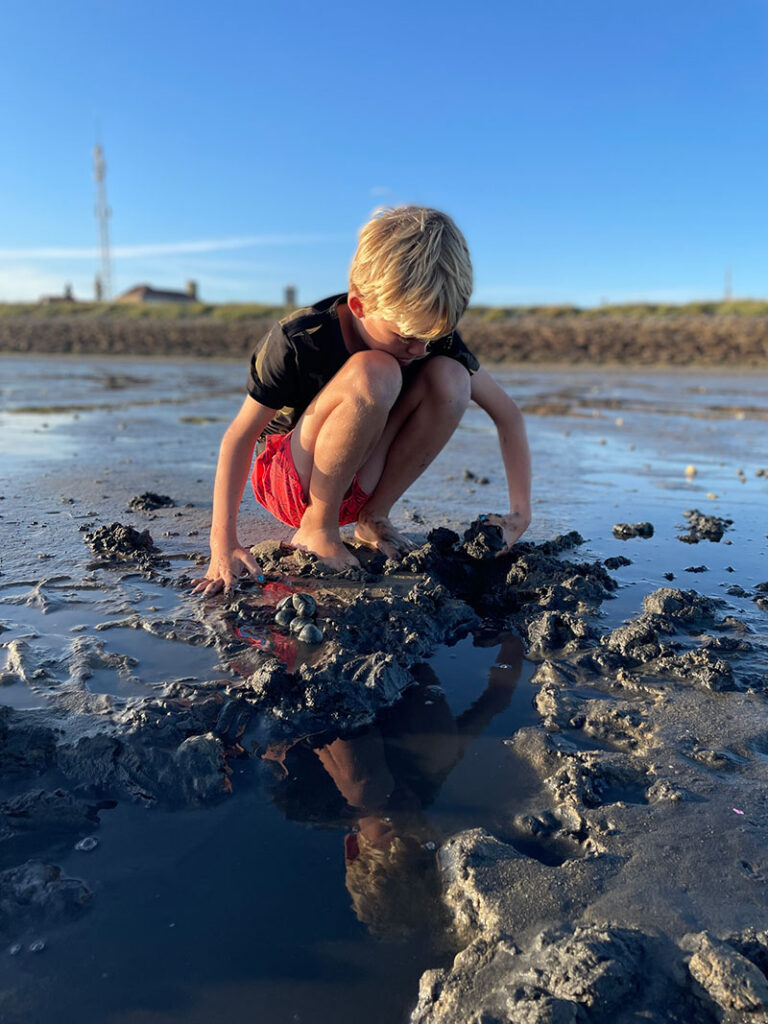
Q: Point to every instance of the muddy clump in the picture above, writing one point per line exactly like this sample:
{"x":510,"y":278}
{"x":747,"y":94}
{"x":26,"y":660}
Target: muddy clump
{"x":626,"y":531}
{"x":483,"y":540}
{"x":49,"y":812}
{"x":119,"y":543}
{"x":149,"y":502}
{"x":725,"y":976}
{"x":36,"y":894}
{"x":172,"y":751}
{"x":565,"y":976}
{"x":703,"y":527}
{"x":616,"y":562}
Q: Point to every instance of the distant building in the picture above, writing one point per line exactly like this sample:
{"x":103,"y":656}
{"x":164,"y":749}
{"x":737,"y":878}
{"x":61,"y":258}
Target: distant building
{"x":147,"y":294}
{"x":49,"y":300}
{"x":291,"y":296}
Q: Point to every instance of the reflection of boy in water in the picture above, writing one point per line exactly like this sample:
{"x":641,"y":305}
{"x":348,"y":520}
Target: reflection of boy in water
{"x":387,"y":775}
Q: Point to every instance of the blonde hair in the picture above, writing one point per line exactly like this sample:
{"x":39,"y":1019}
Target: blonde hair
{"x":412,"y":267}
{"x":395,"y":889}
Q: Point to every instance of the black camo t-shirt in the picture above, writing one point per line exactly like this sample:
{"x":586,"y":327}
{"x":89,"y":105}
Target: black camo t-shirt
{"x":300,"y":353}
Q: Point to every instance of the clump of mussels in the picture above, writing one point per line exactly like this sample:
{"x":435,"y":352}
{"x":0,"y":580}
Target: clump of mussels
{"x":298,"y":613}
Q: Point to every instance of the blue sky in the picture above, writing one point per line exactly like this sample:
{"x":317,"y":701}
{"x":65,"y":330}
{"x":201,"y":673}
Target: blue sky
{"x":601,"y":150}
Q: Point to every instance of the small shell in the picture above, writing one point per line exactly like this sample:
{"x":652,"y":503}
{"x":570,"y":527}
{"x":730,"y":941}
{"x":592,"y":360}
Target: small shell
{"x":311,"y":634}
{"x":285,"y":602}
{"x":87,"y":844}
{"x":305,"y":605}
{"x":285,"y":616}
{"x":299,"y":623}
{"x":37,"y":946}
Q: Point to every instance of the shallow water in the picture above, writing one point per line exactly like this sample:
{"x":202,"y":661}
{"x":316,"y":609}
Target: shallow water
{"x":244,"y":911}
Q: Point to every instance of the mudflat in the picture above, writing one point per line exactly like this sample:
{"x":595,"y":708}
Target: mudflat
{"x":526,"y":788}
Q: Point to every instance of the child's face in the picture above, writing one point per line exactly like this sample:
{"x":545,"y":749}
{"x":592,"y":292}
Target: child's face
{"x":387,"y":337}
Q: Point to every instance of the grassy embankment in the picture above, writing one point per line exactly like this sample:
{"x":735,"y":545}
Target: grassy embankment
{"x":732,"y":333}
{"x":234,"y":312}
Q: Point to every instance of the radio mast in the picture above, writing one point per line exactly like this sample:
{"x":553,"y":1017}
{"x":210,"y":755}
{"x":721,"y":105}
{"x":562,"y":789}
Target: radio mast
{"x":103,"y":212}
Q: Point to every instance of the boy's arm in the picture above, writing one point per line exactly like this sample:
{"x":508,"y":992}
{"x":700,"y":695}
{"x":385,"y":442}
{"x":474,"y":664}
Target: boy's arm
{"x":228,"y":557}
{"x":513,"y":442}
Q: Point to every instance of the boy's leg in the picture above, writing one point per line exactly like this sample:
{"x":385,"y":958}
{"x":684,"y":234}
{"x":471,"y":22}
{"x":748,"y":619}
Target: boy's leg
{"x":418,"y":428}
{"x":335,"y":436}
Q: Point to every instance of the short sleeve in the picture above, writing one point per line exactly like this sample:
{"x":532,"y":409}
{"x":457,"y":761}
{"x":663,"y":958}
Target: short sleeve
{"x":452,"y":345}
{"x":273,"y":378}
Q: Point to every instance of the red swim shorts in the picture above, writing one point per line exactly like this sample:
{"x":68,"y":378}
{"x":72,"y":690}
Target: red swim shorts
{"x":277,"y":486}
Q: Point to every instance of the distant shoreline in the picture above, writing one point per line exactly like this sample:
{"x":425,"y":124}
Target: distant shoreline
{"x":636,"y":336}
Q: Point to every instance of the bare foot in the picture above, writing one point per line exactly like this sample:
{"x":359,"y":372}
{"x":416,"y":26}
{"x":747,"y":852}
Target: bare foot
{"x":380,"y":534}
{"x":328,"y":547}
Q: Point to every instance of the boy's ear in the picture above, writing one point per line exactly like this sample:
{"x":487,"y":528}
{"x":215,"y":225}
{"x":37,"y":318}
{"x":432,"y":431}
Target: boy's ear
{"x":355,"y":304}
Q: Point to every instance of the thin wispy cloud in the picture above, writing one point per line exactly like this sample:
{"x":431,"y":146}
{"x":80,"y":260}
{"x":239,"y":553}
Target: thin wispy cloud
{"x":162,"y":248}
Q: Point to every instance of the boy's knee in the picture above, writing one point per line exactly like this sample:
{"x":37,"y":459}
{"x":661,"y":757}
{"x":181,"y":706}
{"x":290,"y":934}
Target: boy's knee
{"x":448,"y":381}
{"x":374,"y":376}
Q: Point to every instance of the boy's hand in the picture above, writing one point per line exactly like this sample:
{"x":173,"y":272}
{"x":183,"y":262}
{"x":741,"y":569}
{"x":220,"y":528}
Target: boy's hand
{"x":225,"y":569}
{"x":513,"y":525}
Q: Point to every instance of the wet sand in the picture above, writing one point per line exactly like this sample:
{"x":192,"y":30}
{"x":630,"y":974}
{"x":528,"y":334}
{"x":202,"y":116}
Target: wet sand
{"x":566,"y":825}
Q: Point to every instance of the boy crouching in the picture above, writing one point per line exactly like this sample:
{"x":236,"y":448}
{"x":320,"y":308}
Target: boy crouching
{"x":350,"y":400}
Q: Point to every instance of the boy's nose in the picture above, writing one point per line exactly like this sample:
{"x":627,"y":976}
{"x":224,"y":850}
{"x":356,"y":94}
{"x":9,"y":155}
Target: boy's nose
{"x":416,"y":347}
